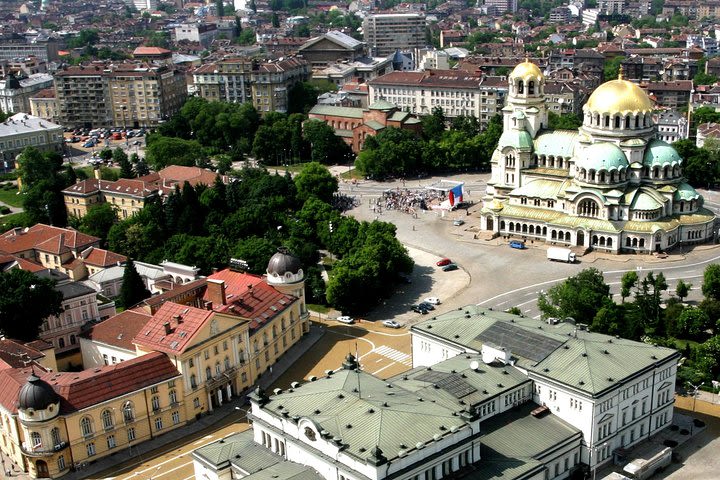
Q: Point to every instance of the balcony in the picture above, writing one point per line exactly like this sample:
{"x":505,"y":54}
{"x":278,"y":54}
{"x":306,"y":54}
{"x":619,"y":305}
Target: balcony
{"x":40,"y":451}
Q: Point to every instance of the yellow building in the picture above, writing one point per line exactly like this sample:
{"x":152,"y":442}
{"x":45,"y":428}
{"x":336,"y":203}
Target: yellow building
{"x":55,"y":421}
{"x":127,"y":195}
{"x":222,"y":332}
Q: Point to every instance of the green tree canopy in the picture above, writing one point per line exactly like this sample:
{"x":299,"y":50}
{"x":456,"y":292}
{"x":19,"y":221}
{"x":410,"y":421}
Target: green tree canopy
{"x":98,"y":220}
{"x":315,"y":180}
{"x":133,"y":288}
{"x":163,"y":151}
{"x":579,"y":297}
{"x":25,"y":301}
{"x":711,"y":281}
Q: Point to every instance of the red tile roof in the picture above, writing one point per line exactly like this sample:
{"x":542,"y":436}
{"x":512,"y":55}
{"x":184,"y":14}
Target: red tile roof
{"x":43,"y":236}
{"x":8,"y":261}
{"x":249,"y":296}
{"x":178,"y":175}
{"x":119,"y":330}
{"x":179,"y":291}
{"x":99,"y":257}
{"x":184,"y":322}
{"x":90,"y":387}
{"x":14,"y":353}
{"x":151,"y":51}
{"x":138,"y":187}
{"x":11,"y":381}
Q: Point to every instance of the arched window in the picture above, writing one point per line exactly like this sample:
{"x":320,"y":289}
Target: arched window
{"x":155,"y":402}
{"x":107,"y":420}
{"x":55,"y":436}
{"x":173,"y":397}
{"x":274,"y":331}
{"x":128,"y":413}
{"x":61,"y":342}
{"x":218,"y":370}
{"x":531,"y":87}
{"x":617,"y":121}
{"x":72,"y":340}
{"x":521,"y":86}
{"x":607,"y":121}
{"x":227,"y":363}
{"x":588,"y":208}
{"x":193,"y":381}
{"x":86,"y":426}
{"x":36,"y":439}
{"x":208,"y":373}
{"x":609,"y":242}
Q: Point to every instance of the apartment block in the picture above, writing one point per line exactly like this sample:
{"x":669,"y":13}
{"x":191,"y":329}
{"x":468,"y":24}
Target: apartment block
{"x":386,"y":33}
{"x":458,"y":93}
{"x":21,"y":131}
{"x":241,"y":80}
{"x":129,"y":94}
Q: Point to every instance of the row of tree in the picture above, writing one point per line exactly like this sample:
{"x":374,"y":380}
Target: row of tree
{"x":651,"y":316}
{"x":400,"y":153}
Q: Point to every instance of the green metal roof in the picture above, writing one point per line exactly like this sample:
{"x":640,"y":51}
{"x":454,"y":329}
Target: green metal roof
{"x":382,"y":105}
{"x":540,"y":188}
{"x":559,"y":143}
{"x":377,"y":414}
{"x":348,"y":112}
{"x":519,"y":139}
{"x":344,"y":133}
{"x":399,"y":116}
{"x":587,"y":361}
{"x":645,"y":201}
{"x":602,"y":156}
{"x":686,"y":192}
{"x":374,"y":124}
{"x":659,"y":153}
{"x":241,"y":449}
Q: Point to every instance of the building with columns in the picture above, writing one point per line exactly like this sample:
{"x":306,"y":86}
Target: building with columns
{"x":610,"y":186}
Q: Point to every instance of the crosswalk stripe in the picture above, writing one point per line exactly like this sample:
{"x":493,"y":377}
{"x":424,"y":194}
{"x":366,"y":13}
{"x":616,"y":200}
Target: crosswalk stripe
{"x":394,"y":355}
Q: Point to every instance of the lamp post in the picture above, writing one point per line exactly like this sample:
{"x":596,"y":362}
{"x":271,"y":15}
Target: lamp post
{"x":592,"y":449}
{"x":695,"y":391}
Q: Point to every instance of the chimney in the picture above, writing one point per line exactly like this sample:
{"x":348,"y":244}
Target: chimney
{"x":168,"y":331}
{"x":216,"y":291}
{"x":96,"y":173}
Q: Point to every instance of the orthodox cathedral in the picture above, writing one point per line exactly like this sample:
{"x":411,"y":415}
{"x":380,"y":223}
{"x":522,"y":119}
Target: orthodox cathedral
{"x":610,"y":185}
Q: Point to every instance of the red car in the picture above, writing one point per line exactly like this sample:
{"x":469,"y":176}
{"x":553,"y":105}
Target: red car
{"x":443,"y":262}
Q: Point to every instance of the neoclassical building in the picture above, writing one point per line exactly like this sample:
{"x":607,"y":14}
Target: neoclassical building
{"x":611,"y":185}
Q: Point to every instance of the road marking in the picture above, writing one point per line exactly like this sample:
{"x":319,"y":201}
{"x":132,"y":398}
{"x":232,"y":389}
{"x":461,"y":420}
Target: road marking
{"x":394,"y":355}
{"x":383,"y":368}
{"x":165,"y":472}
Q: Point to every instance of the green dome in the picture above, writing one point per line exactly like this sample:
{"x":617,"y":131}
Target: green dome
{"x":660,"y":153}
{"x":382,"y":105}
{"x":686,"y":192}
{"x":519,"y":139}
{"x":602,"y":156}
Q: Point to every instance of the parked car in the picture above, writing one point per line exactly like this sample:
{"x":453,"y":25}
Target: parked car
{"x":459,"y":222}
{"x":391,"y":324}
{"x":519,"y":244}
{"x":432,"y":300}
{"x":450,"y":267}
{"x":426,"y":306}
{"x":346,"y":319}
{"x":117,"y":136}
{"x":443,"y":262}
{"x":90,"y":143}
{"x":419,"y":309}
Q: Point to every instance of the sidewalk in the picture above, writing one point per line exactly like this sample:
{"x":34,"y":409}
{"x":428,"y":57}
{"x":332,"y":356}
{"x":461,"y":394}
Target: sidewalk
{"x":146,"y":450}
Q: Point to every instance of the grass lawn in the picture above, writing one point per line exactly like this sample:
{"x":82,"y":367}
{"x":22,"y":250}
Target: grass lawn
{"x":6,"y":221}
{"x":9,"y":197}
{"x":318,"y":308}
{"x":680,"y":343}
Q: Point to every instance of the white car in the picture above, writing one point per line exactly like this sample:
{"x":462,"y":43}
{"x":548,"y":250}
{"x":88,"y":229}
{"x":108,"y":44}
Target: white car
{"x":346,"y":319}
{"x":432,"y":300}
{"x":391,"y":324}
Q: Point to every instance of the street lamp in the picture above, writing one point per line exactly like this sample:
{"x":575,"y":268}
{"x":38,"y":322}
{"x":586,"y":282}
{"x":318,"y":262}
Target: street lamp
{"x":695,"y":391}
{"x":592,"y":449}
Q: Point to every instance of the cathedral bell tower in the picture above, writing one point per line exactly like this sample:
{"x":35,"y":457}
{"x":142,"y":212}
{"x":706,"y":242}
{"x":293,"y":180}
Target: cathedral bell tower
{"x":527,"y":95}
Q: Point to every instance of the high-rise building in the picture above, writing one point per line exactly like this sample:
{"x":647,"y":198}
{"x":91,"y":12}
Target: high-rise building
{"x":498,"y":7}
{"x":386,"y":33}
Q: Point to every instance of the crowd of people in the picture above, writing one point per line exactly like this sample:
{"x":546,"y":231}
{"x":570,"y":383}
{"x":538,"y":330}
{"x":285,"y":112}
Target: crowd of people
{"x":408,"y":201}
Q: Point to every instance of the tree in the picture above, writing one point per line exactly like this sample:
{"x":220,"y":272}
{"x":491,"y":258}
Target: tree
{"x":98,"y":220}
{"x":612,"y":68}
{"x":711,"y":282}
{"x":566,"y":121}
{"x":141,"y":168}
{"x":692,"y":322}
{"x":275,"y":20}
{"x":133,"y":288}
{"x":246,"y":37}
{"x":682,"y":289}
{"x":220,"y":7}
{"x":433,"y":125}
{"x":627,"y":283}
{"x":315,"y":180}
{"x":579,"y":297}
{"x":120,"y":157}
{"x":106,"y":154}
{"x":43,"y":184}
{"x":326,"y":147}
{"x":163,"y":151}
{"x":25,"y":301}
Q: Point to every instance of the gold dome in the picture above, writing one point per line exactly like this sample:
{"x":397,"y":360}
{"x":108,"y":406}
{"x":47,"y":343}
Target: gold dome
{"x":619,"y":96}
{"x":526,"y":69}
